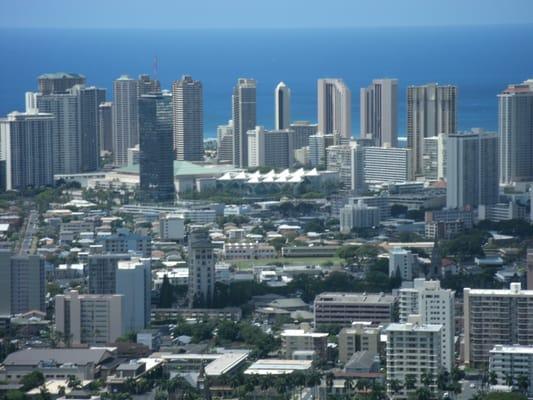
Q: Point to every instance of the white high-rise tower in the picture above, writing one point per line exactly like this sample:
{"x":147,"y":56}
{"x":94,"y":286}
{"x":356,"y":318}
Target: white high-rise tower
{"x":125,"y":118}
{"x":379,"y":112}
{"x":282,"y":96}
{"x":334,"y":107}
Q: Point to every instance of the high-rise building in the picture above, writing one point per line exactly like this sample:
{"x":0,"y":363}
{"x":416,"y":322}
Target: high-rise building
{"x":66,"y":140}
{"x":225,"y":142}
{"x":431,"y":110}
{"x":516,"y":133}
{"x":435,"y":306}
{"x":156,"y":160}
{"x":201,"y":262}
{"x":22,"y":283}
{"x":347,"y":160}
{"x":89,"y":319}
{"x":59,"y":82}
{"x":188,"y":114}
{"x":102,"y":272}
{"x":134,"y":282}
{"x":89,"y":99}
{"x":26,"y":148}
{"x":125,"y":118}
{"x":357,"y":216}
{"x":282,"y":102}
{"x":529,"y":274}
{"x":379,"y":112}
{"x":302,"y":130}
{"x":125,"y":275}
{"x":334,"y":107}
{"x":147,"y":85}
{"x":472,"y":169}
{"x":413,"y":349}
{"x":387,"y":164}
{"x":434,"y":158}
{"x":495,"y":316}
{"x":404,"y":263}
{"x":244,"y":119}
{"x":105,"y":122}
{"x":270,"y":148}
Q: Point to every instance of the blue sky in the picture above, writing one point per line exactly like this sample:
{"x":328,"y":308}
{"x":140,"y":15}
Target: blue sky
{"x":173,"y":14}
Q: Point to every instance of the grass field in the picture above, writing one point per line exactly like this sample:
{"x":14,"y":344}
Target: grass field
{"x":247,"y":264}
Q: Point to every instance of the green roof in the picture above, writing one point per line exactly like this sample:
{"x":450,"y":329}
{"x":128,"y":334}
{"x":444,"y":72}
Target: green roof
{"x":184,"y":168}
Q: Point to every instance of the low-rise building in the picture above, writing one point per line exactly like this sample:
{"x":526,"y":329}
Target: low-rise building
{"x":361,"y":336}
{"x":248,"y":251}
{"x":84,"y":364}
{"x":293,"y":340}
{"x":512,"y":362}
{"x":344,"y":308}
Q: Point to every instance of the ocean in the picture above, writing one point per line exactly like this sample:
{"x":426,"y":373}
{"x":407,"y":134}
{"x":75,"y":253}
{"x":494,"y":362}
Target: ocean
{"x":480,"y":60}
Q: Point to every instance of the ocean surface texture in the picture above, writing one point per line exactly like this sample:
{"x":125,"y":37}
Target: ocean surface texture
{"x":480,"y":60}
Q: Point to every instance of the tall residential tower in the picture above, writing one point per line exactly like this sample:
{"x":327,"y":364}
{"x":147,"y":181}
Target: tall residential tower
{"x":379,"y":112}
{"x":334,"y":107}
{"x":188,"y":119}
{"x":282,"y":101}
{"x":244,"y":119}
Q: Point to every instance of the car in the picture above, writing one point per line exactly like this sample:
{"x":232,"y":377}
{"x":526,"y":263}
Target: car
{"x":472,"y":385}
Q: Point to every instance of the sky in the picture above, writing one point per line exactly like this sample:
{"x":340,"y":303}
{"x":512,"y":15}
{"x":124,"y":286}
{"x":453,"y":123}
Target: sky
{"x":203,"y":14}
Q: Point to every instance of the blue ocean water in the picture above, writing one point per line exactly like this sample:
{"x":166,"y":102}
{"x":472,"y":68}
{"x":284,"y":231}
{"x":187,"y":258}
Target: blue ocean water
{"x":480,"y":60}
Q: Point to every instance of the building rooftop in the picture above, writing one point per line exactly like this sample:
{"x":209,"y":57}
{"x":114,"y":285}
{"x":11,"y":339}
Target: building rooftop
{"x":60,"y":356}
{"x":183,"y":168}
{"x":370,"y":298}
{"x":410,"y":327}
{"x":278,"y":366}
{"x":301,"y":333}
{"x":514,"y":290}
{"x":61,"y":75}
{"x":515,"y":349}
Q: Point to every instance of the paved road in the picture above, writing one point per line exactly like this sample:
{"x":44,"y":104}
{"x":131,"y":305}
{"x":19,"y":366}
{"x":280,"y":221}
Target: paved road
{"x":467,"y":392}
{"x":29,"y":232}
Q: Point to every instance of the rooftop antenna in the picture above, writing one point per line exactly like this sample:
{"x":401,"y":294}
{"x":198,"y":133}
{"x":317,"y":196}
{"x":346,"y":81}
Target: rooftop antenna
{"x":155,"y":67}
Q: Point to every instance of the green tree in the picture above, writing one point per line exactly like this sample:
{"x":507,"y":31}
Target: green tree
{"x":32,"y":380}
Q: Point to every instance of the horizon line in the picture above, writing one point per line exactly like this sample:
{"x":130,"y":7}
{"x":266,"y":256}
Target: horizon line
{"x":293,"y":28}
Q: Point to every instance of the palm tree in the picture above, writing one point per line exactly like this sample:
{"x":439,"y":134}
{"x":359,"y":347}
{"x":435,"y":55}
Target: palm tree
{"x":395,"y":386}
{"x":509,"y":380}
{"x":410,"y":381}
{"x":493,"y":378}
{"x":348,"y":386}
{"x":523,"y":383}
{"x":427,"y":378}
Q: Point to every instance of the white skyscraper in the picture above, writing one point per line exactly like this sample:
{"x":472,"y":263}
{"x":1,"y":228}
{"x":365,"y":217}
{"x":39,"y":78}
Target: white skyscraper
{"x":472,"y":169}
{"x":134,"y":281}
{"x":434,"y":158}
{"x":516,"y":133}
{"x":26,"y":141}
{"x":283,"y":106}
{"x":188,"y":119}
{"x":431,"y":110}
{"x":435,"y":306}
{"x":334,"y":107}
{"x":225,"y":142}
{"x":379,"y":112}
{"x":125,"y":118}
{"x":244,"y":119}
